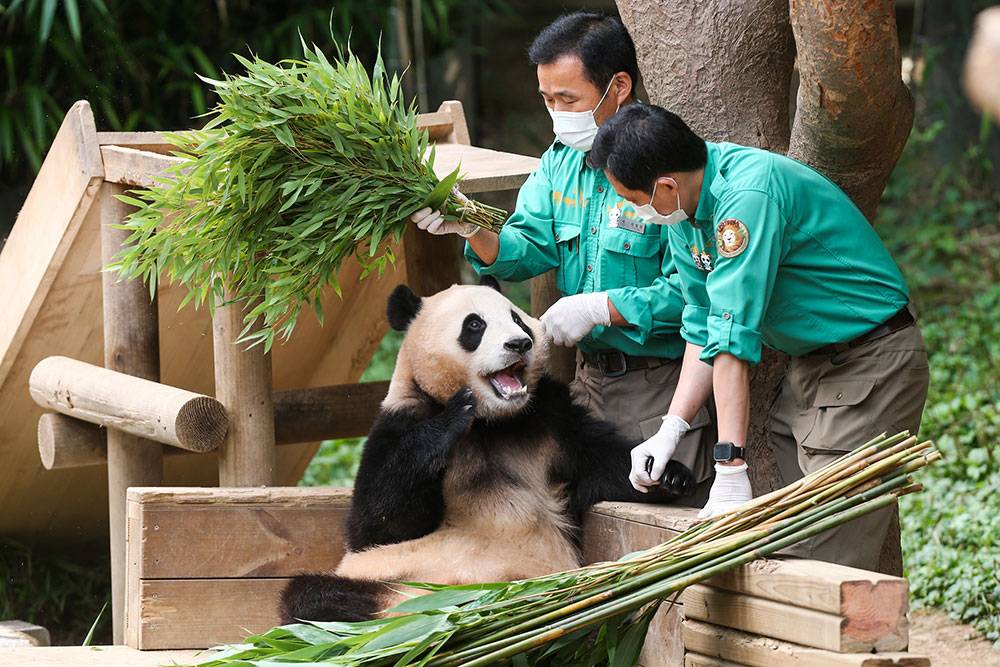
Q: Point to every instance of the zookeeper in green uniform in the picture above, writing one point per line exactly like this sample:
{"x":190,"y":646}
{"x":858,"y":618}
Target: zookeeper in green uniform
{"x":773,"y":253}
{"x":622,"y":305}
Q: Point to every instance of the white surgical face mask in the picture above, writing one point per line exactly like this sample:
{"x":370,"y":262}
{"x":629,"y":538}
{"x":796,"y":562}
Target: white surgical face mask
{"x":652,"y":216}
{"x":577,"y":129}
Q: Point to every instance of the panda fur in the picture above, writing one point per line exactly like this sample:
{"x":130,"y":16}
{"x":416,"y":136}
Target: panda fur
{"x":479,"y":467}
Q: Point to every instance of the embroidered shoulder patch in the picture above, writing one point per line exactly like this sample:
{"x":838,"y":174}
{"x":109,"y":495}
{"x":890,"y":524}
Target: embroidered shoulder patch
{"x":731,"y":237}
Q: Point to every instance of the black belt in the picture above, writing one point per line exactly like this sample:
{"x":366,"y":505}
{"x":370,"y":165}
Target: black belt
{"x":615,"y":363}
{"x":897,"y":322}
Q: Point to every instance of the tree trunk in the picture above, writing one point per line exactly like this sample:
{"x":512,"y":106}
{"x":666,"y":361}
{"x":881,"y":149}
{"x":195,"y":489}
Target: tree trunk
{"x":726,"y":68}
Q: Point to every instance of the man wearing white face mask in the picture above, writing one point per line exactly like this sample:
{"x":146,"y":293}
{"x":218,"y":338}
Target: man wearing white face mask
{"x":622,"y":305}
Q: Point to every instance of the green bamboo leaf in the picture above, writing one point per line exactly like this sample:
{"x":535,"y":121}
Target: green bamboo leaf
{"x":439,"y":194}
{"x":45,"y":23}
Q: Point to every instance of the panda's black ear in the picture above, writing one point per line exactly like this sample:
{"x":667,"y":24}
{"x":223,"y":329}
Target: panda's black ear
{"x":490,"y":281}
{"x":403,"y":307}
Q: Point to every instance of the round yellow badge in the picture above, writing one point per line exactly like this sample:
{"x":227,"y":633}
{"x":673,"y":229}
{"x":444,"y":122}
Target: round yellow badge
{"x":731,"y":237}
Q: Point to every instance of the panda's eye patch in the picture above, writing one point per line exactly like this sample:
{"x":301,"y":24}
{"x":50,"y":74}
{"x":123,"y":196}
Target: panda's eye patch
{"x":519,"y":322}
{"x":473,"y":329}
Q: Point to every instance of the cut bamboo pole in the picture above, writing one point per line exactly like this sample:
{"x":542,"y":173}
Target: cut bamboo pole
{"x":243,"y":385}
{"x":132,"y":346}
{"x":142,"y":407}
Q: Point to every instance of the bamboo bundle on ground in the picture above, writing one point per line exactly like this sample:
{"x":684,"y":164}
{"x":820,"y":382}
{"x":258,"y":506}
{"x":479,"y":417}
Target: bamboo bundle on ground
{"x":597,"y":614}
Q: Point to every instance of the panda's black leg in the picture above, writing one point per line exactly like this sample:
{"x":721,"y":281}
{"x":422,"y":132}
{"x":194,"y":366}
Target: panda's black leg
{"x":327,"y":597}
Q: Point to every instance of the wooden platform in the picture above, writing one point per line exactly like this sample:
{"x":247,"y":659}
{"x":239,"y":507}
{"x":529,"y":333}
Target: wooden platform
{"x":50,"y":304}
{"x":92,"y":656}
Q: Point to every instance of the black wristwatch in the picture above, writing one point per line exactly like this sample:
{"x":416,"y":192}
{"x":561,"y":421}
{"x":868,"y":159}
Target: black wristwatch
{"x":725,"y":452}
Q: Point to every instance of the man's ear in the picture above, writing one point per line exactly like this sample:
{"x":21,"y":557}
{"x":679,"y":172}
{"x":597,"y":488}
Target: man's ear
{"x":622,"y":87}
{"x":490,"y":281}
{"x":402,"y":308}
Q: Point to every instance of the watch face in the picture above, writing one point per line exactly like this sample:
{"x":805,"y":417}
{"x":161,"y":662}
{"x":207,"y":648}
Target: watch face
{"x":723,"y":452}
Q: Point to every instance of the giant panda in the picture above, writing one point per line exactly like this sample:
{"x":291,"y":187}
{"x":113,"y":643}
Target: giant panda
{"x":479,"y":467}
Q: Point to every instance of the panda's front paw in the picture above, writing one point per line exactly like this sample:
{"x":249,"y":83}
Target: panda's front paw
{"x":460,"y":410}
{"x":678,"y":480}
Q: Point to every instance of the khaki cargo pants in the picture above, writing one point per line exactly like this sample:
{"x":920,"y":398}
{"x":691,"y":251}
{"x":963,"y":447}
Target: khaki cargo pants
{"x":636,"y":402}
{"x":830,"y":404}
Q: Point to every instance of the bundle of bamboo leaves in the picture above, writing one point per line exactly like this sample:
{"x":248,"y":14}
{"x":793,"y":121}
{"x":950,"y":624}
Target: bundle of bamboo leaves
{"x":304,"y":164}
{"x":597,"y":614}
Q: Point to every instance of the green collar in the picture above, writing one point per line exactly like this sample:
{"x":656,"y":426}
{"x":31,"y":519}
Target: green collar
{"x":713,"y":184}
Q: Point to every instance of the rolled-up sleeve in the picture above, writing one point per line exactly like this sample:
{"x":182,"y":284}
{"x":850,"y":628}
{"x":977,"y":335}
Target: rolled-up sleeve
{"x":740,"y":286}
{"x":527,"y":240}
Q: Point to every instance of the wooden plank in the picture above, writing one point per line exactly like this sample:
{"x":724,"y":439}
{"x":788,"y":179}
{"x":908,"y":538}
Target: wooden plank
{"x":93,"y":656}
{"x":697,"y":660}
{"x":220,"y":533}
{"x":243,"y":384}
{"x":134,"y":405}
{"x":135,"y":167}
{"x":765,"y":617}
{"x":875,"y":603}
{"x":132,"y":347}
{"x":55,"y":208}
{"x":200,"y":613}
{"x":756,"y":651}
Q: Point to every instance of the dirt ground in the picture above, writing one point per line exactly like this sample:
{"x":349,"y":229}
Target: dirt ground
{"x":949,"y":643}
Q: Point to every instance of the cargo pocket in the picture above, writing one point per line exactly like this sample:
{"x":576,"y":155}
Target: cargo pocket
{"x":835,"y":424}
{"x":567,"y":236}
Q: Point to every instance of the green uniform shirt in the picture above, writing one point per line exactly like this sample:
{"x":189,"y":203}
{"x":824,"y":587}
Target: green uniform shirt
{"x":569,"y":218}
{"x":778,"y":255}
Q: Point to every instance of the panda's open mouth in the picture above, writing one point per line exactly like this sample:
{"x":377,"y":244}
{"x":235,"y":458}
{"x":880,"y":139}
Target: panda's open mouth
{"x":508,"y":383}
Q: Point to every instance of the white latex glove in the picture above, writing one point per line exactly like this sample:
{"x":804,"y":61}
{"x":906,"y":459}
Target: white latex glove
{"x":572,"y":317}
{"x":730,"y":489}
{"x":660,"y":448}
{"x":433,"y":221}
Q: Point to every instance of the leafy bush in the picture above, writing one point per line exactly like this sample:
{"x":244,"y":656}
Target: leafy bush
{"x":942,"y":222}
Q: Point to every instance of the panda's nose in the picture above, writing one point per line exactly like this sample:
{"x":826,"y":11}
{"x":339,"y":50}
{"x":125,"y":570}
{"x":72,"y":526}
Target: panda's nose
{"x":519,"y":345}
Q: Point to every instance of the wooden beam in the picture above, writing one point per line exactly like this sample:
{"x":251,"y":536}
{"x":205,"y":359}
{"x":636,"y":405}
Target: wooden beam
{"x":131,"y":348}
{"x":219,"y":533}
{"x":300,"y":415}
{"x":806,"y":627}
{"x":697,"y":660}
{"x":755,"y":651}
{"x":46,"y":226}
{"x":200,"y":613}
{"x":243,"y":384}
{"x":130,"y":404}
{"x":135,"y":167}
{"x":874,"y":603}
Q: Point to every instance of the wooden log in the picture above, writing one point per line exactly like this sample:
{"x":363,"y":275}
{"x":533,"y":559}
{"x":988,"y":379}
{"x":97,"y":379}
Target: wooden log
{"x":755,"y":651}
{"x":132,"y":348}
{"x":243,"y":384}
{"x":300,"y":415}
{"x":544,"y":293}
{"x":873,"y":604}
{"x":134,"y":405}
{"x":806,"y":627}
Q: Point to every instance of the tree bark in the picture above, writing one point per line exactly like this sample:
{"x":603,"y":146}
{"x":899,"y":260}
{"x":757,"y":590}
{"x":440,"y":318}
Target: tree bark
{"x":726,"y":67}
{"x":853,"y":113}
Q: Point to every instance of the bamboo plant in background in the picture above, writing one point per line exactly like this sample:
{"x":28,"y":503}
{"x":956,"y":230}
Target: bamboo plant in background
{"x":598,"y":614}
{"x":304,"y":164}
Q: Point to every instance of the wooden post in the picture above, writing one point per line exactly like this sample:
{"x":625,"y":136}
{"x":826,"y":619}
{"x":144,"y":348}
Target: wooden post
{"x":132,"y":346}
{"x":544,"y":293}
{"x":243,"y":385}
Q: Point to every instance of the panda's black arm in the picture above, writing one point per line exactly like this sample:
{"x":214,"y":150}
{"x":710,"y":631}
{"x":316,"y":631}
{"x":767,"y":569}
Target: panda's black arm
{"x":595,"y":457}
{"x":397,"y":491}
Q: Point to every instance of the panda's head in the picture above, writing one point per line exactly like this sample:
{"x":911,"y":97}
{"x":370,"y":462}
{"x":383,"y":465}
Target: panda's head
{"x":468,"y":335}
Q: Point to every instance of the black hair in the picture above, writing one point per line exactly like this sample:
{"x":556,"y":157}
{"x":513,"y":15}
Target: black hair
{"x":642,"y":142}
{"x":601,"y":43}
